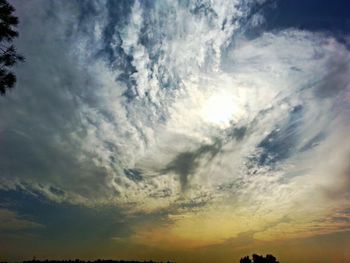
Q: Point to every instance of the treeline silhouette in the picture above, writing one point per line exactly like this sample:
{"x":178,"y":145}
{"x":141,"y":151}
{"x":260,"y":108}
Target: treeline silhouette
{"x":259,"y":259}
{"x":255,"y":259}
{"x":93,"y":261}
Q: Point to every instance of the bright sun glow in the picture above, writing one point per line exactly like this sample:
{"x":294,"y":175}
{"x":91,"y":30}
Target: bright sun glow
{"x":219,"y":109}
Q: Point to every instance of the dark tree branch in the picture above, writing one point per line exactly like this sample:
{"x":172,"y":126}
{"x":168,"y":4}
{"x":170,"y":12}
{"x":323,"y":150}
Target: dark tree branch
{"x":8,"y":53}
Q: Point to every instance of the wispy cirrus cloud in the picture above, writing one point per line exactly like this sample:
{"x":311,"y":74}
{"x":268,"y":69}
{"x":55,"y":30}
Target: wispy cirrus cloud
{"x":115,"y":107}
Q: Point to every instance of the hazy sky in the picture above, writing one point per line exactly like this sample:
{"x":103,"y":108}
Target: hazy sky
{"x":192,"y":131}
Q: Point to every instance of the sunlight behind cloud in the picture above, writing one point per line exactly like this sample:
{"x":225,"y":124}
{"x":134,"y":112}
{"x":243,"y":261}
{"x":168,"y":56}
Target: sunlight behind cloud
{"x":220,"y":109}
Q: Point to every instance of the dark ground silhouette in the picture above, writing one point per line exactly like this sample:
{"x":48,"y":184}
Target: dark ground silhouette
{"x":259,"y":259}
{"x":255,"y":259}
{"x":94,"y":261}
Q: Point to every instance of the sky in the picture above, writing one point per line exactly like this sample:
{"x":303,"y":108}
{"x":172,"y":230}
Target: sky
{"x":190,"y":131}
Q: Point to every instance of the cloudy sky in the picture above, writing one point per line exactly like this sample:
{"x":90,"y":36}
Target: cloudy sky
{"x":192,"y":131}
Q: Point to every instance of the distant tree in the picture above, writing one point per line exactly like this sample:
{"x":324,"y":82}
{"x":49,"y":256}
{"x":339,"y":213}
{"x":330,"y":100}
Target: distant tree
{"x":245,"y":260}
{"x":259,"y":259}
{"x":271,"y":259}
{"x":8,"y":53}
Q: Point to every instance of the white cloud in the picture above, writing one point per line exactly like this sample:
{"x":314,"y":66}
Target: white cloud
{"x":178,"y":59}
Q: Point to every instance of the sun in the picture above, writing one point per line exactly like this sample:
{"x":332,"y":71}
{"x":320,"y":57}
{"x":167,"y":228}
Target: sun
{"x":219,"y":109}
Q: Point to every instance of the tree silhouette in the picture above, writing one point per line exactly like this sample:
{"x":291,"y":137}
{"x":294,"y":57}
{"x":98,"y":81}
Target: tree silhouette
{"x":259,"y":259}
{"x":245,"y":260}
{"x":8,"y":53}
